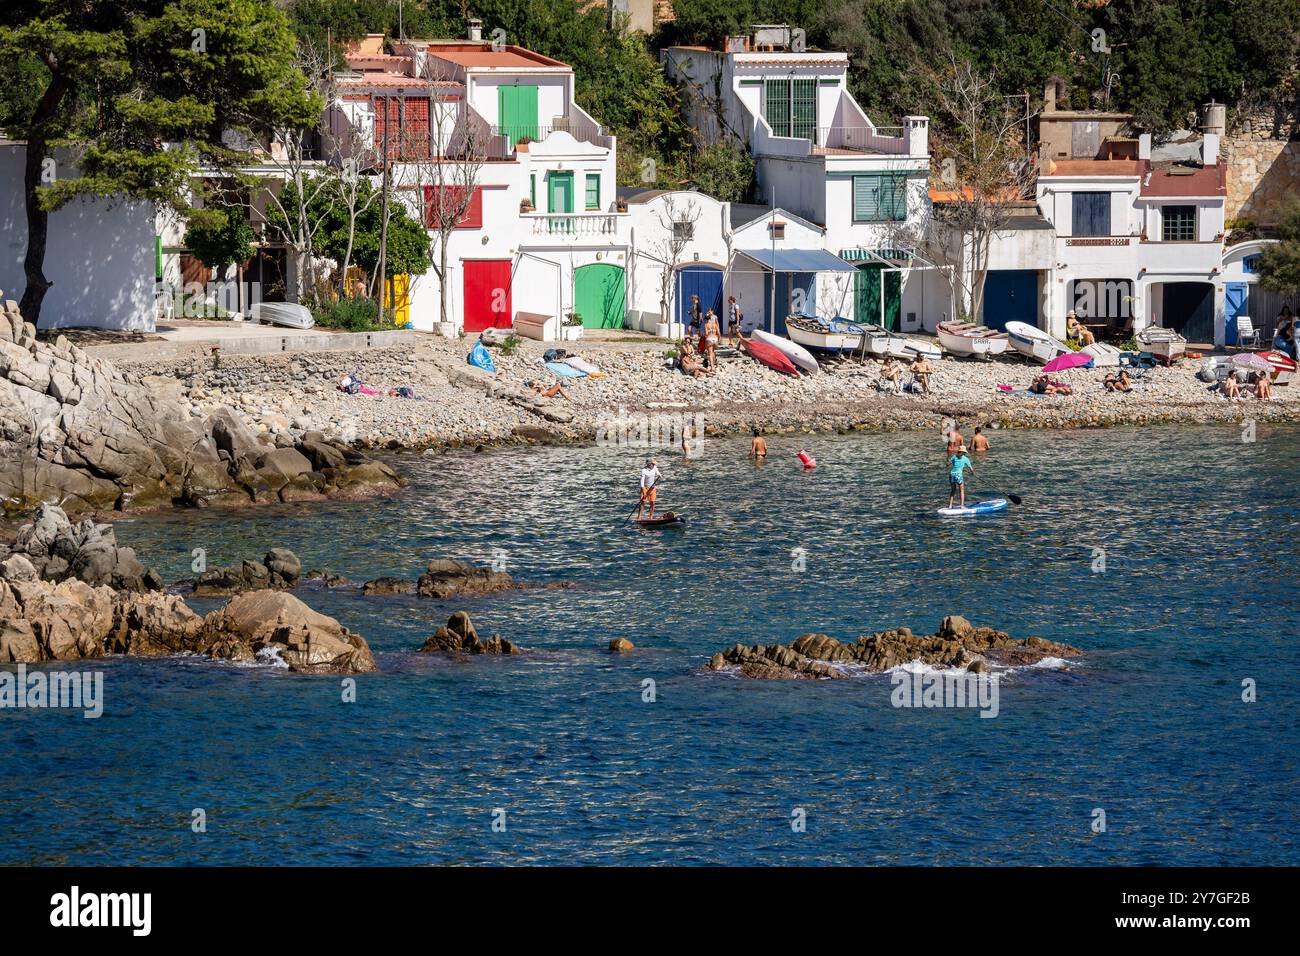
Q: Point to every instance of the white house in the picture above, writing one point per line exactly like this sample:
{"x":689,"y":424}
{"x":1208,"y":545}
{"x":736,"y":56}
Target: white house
{"x":100,"y":256}
{"x":820,"y":157}
{"x":1138,"y":238}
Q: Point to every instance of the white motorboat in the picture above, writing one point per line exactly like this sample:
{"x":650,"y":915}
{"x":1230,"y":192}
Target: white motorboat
{"x":827,"y":335}
{"x":1104,"y":355}
{"x":800,"y":356}
{"x":965,"y":338}
{"x":1163,"y":343}
{"x":1034,"y":342}
{"x":288,"y":314}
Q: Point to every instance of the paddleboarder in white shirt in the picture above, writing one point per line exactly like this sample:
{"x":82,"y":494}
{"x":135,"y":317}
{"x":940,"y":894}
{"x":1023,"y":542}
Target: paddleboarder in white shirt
{"x":649,"y":483}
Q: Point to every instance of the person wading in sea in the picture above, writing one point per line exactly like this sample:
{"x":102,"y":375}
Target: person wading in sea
{"x":978,"y":442}
{"x":758,"y":447}
{"x":955,"y":439}
{"x":649,"y":487}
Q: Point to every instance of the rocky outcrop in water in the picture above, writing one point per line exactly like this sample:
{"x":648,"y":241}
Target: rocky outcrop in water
{"x":75,"y":430}
{"x":445,"y":578}
{"x":72,"y":620}
{"x":458,"y":636}
{"x":957,"y":643}
{"x":53,"y":548}
{"x":279,"y":570}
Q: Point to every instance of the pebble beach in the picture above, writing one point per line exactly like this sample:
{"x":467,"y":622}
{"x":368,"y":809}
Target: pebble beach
{"x":458,"y":405}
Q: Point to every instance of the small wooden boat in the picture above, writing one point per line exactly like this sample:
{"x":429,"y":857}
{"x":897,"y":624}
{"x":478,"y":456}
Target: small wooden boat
{"x":288,"y":314}
{"x":1034,"y":342}
{"x":772,"y":357}
{"x":827,"y":335}
{"x":881,"y":341}
{"x":796,"y":353}
{"x":1104,"y":355}
{"x":668,"y":519}
{"x":965,"y":338}
{"x":923,"y":348}
{"x":1284,"y":366}
{"x":1165,"y":344}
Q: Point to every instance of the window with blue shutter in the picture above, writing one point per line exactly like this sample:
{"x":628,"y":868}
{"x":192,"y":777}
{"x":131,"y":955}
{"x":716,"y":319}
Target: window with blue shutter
{"x":1091,"y":214}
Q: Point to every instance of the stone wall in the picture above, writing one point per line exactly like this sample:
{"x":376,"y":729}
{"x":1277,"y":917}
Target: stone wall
{"x":1263,"y":169}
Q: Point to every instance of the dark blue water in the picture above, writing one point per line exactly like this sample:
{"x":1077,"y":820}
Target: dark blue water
{"x":1199,"y":593}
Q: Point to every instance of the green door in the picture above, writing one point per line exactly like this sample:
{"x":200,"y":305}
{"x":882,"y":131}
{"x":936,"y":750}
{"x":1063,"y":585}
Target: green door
{"x":598,"y":295}
{"x":866,"y":295}
{"x":517,"y":112}
{"x":560,"y":192}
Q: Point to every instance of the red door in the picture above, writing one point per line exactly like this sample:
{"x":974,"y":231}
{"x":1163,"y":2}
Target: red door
{"x":487,"y":295}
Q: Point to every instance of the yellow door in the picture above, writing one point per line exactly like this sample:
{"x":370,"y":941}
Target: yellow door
{"x":398,"y":298}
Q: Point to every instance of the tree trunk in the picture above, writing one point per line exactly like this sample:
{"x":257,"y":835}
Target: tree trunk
{"x":442,"y":280}
{"x":38,"y":220}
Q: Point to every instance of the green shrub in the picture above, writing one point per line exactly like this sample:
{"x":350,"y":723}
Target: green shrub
{"x":352,"y":315}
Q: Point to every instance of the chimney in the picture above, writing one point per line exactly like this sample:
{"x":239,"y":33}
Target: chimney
{"x":916,"y":131}
{"x":476,"y":30}
{"x":1144,"y":146}
{"x":1210,"y":149}
{"x":1214,"y":118}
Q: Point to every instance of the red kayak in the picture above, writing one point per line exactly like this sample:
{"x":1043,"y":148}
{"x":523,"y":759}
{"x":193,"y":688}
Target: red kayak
{"x":770,"y":356}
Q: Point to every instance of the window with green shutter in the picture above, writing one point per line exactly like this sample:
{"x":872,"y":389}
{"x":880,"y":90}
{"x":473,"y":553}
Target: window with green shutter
{"x":879,"y":197}
{"x":803,"y":109}
{"x":593,"y":191}
{"x":776,"y":106}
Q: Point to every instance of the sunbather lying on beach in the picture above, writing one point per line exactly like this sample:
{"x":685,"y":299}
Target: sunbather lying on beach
{"x":1045,"y":386}
{"x":542,"y":390}
{"x":1118,"y":383}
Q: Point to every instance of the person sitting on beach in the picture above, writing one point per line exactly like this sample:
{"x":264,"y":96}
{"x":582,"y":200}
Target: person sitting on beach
{"x":709,"y":340}
{"x":979,"y":443}
{"x":1118,"y":383}
{"x":1263,"y":386}
{"x":758,"y":447}
{"x":1076,"y":332}
{"x":1284,"y":339}
{"x":958,"y":464}
{"x":1229,"y":386}
{"x":542,"y":390}
{"x":892,"y":376}
{"x":689,"y":362}
{"x":921,"y":371}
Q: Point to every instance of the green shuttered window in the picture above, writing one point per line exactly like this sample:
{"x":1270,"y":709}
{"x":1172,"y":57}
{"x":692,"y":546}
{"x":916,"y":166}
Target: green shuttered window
{"x":593,"y":191}
{"x":790,"y":107}
{"x":879,"y":197}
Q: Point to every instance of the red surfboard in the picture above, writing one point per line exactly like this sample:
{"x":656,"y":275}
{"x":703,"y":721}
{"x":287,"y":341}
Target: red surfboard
{"x":772,"y":357}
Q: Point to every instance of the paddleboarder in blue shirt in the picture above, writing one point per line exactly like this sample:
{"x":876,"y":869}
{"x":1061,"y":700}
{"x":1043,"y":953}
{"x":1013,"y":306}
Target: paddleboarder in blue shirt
{"x":958,"y":465}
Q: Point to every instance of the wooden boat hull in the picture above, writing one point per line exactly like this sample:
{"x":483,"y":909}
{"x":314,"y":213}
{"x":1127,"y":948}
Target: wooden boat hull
{"x":1033,"y":342}
{"x":1163,"y":343}
{"x":1103,"y":354}
{"x":1284,"y":366}
{"x":288,"y":314}
{"x":826,"y":341}
{"x":972,"y":340}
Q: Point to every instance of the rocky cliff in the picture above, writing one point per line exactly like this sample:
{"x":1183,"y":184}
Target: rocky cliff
{"x":75,"y":430}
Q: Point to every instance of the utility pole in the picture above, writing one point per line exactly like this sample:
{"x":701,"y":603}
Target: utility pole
{"x":383,"y":219}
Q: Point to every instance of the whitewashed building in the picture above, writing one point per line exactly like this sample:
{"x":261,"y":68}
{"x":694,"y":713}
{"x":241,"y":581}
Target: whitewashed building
{"x":821,"y":158}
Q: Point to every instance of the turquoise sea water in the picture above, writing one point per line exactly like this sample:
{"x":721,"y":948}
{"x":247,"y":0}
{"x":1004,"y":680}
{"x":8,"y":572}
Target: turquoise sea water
{"x":1199,"y":593}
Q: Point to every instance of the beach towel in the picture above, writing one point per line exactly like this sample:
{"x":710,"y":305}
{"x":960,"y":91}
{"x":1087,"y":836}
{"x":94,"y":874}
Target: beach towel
{"x":479,"y":357}
{"x":582,"y":365}
{"x":565,"y":371}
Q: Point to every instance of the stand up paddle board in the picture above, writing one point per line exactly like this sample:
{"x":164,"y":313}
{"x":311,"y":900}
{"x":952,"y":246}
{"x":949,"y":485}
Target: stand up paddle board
{"x":666,"y":520}
{"x":979,"y":508}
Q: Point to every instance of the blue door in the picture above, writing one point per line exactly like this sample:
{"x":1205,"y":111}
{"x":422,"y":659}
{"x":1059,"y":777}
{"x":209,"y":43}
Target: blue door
{"x":1236,"y":301}
{"x":1010,"y":295}
{"x":704,"y":281}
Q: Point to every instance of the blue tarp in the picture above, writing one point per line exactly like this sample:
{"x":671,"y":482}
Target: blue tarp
{"x":797,"y":260}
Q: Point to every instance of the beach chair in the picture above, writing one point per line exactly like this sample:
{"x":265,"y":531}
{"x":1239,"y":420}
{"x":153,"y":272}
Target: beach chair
{"x":1246,"y":332}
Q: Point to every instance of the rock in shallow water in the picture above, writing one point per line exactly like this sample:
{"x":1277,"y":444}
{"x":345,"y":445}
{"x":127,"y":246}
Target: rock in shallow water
{"x":458,"y":636}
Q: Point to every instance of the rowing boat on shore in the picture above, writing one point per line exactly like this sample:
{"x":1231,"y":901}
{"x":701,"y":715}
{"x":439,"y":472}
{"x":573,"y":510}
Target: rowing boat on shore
{"x":826,"y":335}
{"x":1034,"y":342}
{"x":1163,"y":343}
{"x":1104,"y":355}
{"x":881,"y":341}
{"x":1284,"y":366}
{"x":965,"y":338}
